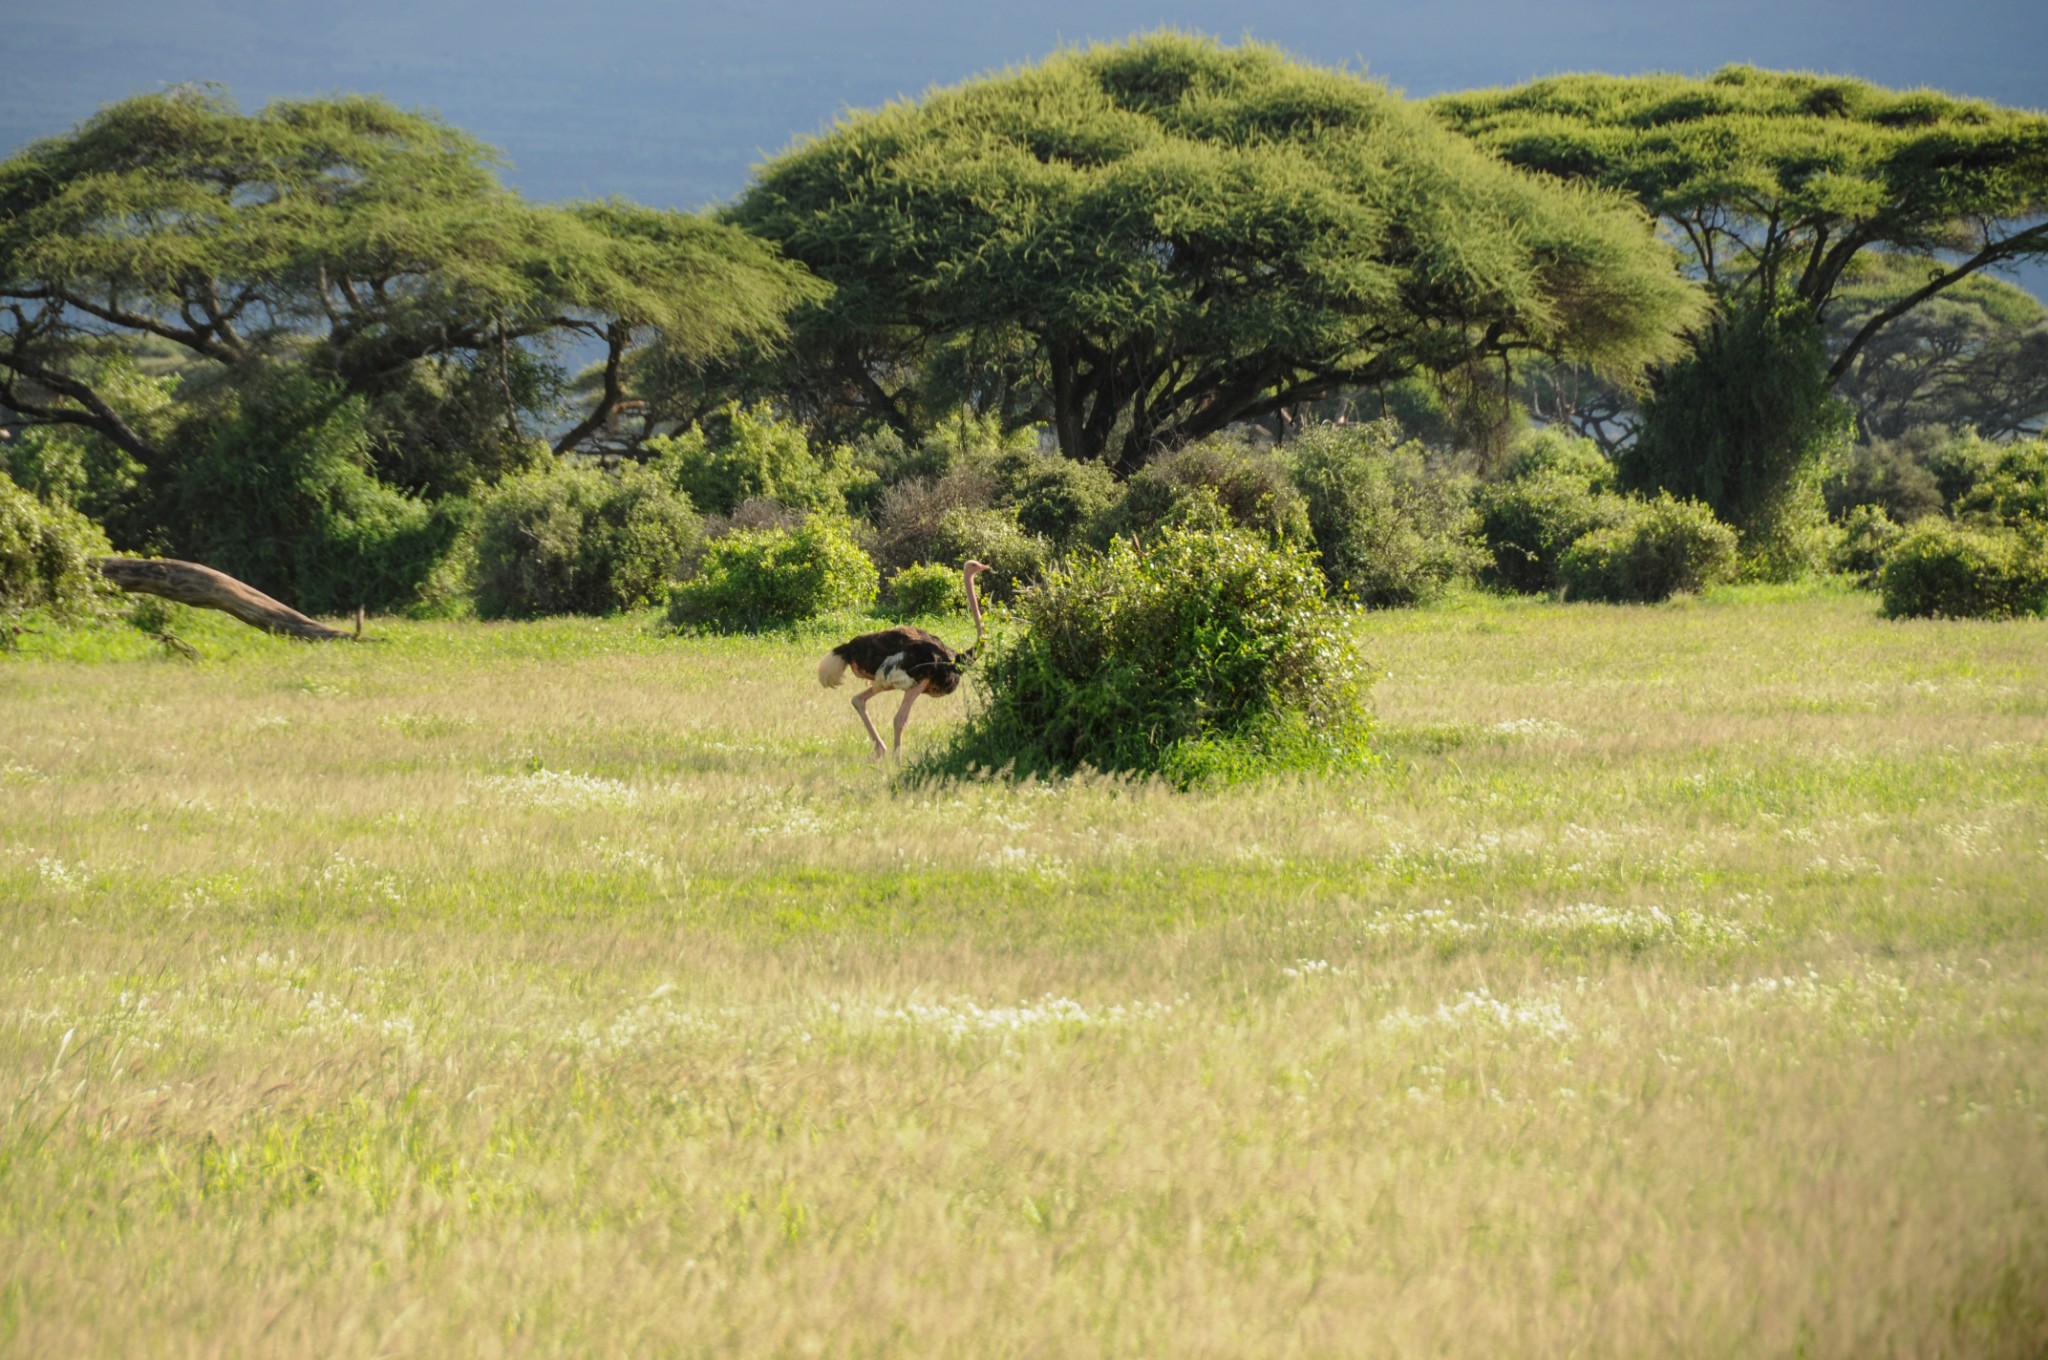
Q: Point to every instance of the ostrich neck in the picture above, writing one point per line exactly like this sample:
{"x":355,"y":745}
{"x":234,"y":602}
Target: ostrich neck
{"x":974,"y":608}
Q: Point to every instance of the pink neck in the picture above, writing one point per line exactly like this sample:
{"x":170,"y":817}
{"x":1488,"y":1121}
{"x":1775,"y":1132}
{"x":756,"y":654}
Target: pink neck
{"x":973,"y":605}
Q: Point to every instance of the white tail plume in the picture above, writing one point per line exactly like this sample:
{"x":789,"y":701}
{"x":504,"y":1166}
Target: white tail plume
{"x":831,"y":670}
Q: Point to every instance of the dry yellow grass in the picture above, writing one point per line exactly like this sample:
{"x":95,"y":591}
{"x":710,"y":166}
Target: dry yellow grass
{"x":1675,"y":989}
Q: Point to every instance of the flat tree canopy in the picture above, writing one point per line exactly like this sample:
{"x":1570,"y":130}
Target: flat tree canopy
{"x":1774,"y":182}
{"x":1161,"y":237}
{"x":343,"y":233}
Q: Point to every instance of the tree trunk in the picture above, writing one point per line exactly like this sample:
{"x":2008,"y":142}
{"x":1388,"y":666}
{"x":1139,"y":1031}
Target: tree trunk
{"x":190,"y":583}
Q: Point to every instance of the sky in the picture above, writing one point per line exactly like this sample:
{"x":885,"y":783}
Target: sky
{"x":671,"y":104}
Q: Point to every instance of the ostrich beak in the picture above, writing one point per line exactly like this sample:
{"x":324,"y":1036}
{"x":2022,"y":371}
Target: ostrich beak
{"x":977,"y":567}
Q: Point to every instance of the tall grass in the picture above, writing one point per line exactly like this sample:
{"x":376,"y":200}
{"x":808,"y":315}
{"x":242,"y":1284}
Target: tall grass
{"x":1674,"y":986}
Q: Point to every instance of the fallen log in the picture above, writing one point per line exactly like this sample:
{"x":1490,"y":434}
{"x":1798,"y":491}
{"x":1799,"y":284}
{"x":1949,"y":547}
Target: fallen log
{"x":205,"y":588}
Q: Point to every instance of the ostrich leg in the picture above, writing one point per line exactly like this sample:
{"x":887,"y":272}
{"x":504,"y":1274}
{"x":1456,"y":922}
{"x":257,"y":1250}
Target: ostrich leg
{"x":903,"y":713}
{"x":860,"y":706}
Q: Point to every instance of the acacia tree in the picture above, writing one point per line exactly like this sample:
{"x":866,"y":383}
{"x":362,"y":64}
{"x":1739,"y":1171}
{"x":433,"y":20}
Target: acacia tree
{"x":1776,"y":185}
{"x":1148,"y":241}
{"x":343,"y":237}
{"x":1975,"y":355}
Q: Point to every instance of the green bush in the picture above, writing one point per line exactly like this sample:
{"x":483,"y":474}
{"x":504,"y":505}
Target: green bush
{"x":1206,"y":655}
{"x":1388,"y":531}
{"x":1893,"y":475}
{"x":70,"y":465}
{"x":1015,"y":559}
{"x":1553,"y":450}
{"x":1527,"y":524}
{"x":926,"y":588}
{"x":1944,"y":570}
{"x":574,"y":540}
{"x":273,"y":485}
{"x":1957,"y":464}
{"x":48,"y":560}
{"x":763,"y":578}
{"x":1749,"y":424}
{"x":754,"y":455}
{"x":1662,"y":547}
{"x":1187,"y":487}
{"x":909,"y":526}
{"x":2013,"y":491}
{"x":1868,"y":537}
{"x":1055,"y":498}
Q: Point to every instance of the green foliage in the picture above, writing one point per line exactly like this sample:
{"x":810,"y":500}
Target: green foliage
{"x":1388,"y":531}
{"x":1218,"y":483}
{"x":755,"y":579}
{"x":1868,"y":537}
{"x":1059,"y":499}
{"x":1747,"y":425}
{"x":1015,"y":559}
{"x":911,"y":522}
{"x":969,"y":512}
{"x":2014,"y":489}
{"x":574,"y":540}
{"x":1959,"y":464}
{"x":925,"y":589}
{"x":1892,"y":475}
{"x":1150,"y":241}
{"x":1944,"y":570}
{"x":1551,"y":450}
{"x":1790,"y":191}
{"x":1975,"y":354}
{"x":1660,"y":548}
{"x":348,"y":245}
{"x":756,"y":456}
{"x":77,"y":466}
{"x":1208,"y":655}
{"x":1835,"y":166}
{"x":273,"y":486}
{"x":48,"y":560}
{"x":1528,"y":522}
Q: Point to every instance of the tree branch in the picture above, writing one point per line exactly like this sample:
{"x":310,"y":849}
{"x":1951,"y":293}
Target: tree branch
{"x":1991,"y":254}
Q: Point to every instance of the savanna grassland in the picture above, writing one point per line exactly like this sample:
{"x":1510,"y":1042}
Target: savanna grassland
{"x":1674,"y":987}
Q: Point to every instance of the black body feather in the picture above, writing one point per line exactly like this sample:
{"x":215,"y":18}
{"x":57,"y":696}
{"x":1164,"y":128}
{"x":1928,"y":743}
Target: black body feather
{"x":909,"y":653}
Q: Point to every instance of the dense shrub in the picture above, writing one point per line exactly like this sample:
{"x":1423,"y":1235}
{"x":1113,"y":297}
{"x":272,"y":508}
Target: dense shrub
{"x":1015,"y":559}
{"x":2013,"y":490}
{"x":1748,"y":423}
{"x":1552,"y":450}
{"x":70,"y":465}
{"x":1206,"y":655}
{"x":1944,"y":570}
{"x":574,"y":540}
{"x":910,"y":523}
{"x":925,"y":589}
{"x":1389,"y":532}
{"x":959,"y":441}
{"x":754,"y":455}
{"x":48,"y":559}
{"x":1958,"y":463}
{"x":1055,"y":498}
{"x":753,"y":579}
{"x":1868,"y":537}
{"x":272,"y":484}
{"x":1892,"y":475}
{"x":1526,"y":525}
{"x":1660,"y":548}
{"x":1183,"y":488}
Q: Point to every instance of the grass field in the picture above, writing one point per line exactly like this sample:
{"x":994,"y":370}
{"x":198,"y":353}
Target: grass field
{"x":1676,"y":986}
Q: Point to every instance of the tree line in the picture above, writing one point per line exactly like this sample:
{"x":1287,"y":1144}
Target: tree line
{"x":312,"y":339}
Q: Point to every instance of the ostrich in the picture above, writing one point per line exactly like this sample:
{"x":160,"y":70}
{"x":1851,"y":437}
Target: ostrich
{"x":906,"y":659}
